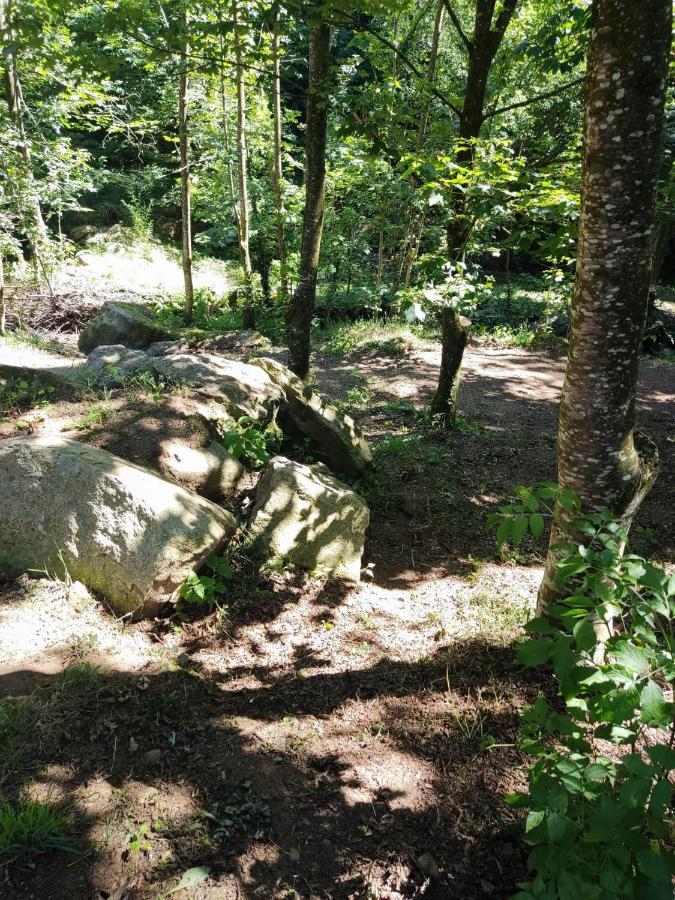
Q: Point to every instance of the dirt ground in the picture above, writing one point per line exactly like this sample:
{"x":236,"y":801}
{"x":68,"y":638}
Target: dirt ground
{"x":316,"y":740}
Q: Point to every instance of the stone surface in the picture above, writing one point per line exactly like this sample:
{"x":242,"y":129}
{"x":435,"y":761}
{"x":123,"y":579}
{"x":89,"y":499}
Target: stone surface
{"x":118,"y":528}
{"x":244,"y":390}
{"x":305,"y":516}
{"x":334,"y":437}
{"x":172,"y":437}
{"x":117,"y":361}
{"x":131,"y":324}
{"x":163,"y":348}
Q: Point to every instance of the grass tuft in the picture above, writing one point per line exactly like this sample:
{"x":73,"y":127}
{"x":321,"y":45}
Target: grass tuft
{"x":29,"y":828}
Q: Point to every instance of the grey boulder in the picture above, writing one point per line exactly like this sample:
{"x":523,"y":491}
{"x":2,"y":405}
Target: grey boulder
{"x":303,"y":515}
{"x":118,"y":528}
{"x":131,"y":324}
{"x":306,"y":414}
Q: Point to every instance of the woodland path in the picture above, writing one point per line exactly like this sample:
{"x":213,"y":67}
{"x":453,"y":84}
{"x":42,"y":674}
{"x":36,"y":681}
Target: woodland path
{"x":340,"y":731}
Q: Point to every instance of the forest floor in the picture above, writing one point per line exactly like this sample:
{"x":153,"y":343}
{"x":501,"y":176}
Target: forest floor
{"x":317,"y":740}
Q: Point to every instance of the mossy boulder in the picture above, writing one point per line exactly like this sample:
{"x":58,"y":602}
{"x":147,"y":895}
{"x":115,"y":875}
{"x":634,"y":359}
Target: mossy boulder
{"x":333,"y":436}
{"x":118,"y":528}
{"x":303,"y":515}
{"x":131,"y":324}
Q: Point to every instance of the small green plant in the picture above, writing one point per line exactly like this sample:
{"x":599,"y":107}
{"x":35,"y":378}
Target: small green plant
{"x":247,"y":441}
{"x":138,"y":839}
{"x":28,"y":828}
{"x":600,"y":798}
{"x":17,"y":394}
{"x":205,"y":588}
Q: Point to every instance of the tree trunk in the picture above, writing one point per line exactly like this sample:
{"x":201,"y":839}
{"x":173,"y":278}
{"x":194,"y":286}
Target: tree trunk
{"x":184,"y":151}
{"x":301,"y":307}
{"x":455,"y":331}
{"x":482,"y":49}
{"x":3,"y":309}
{"x":277,"y":168}
{"x":600,"y":456}
{"x":37,"y":231}
{"x":419,"y":221}
{"x":244,"y":213}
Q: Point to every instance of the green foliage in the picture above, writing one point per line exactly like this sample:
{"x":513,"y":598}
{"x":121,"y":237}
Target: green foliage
{"x":28,"y":828}
{"x":247,"y":441}
{"x":205,"y":588}
{"x":18,"y":393}
{"x":599,"y":800}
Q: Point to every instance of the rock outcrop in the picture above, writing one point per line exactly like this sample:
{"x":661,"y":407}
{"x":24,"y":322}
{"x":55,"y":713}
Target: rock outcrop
{"x":116,"y":527}
{"x":305,"y":516}
{"x":333,"y":436}
{"x":131,"y":324}
{"x":172,"y":437}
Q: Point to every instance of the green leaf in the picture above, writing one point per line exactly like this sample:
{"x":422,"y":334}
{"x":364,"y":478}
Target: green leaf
{"x":190,"y":878}
{"x":584,"y":635}
{"x":536,"y":525}
{"x":519,"y":529}
{"x":632,"y":658}
{"x":503,"y":532}
{"x":653,"y":708}
{"x":534,"y":819}
{"x":535,"y":651}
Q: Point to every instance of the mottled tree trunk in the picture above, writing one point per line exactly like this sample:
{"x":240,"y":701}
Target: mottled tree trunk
{"x":184,"y":153}
{"x":244,"y":214}
{"x":481,"y":48}
{"x":277,"y":168}
{"x":301,"y":307}
{"x":600,"y":457}
{"x":455,"y":332}
{"x":3,"y":309}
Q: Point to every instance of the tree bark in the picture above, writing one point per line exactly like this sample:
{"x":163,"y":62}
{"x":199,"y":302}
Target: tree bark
{"x":600,"y":456}
{"x":277,"y":168}
{"x":244,"y":213}
{"x":14,"y":96}
{"x":301,"y":307}
{"x":482,"y":47}
{"x":3,"y":308}
{"x":455,"y":332}
{"x":418,"y":223}
{"x":184,"y":152}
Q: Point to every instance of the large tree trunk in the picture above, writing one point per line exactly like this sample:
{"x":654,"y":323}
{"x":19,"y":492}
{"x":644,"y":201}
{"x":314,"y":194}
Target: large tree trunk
{"x":301,"y":307}
{"x":600,"y":457}
{"x":482,"y":49}
{"x":244,"y":213}
{"x":184,"y":151}
{"x":277,"y":168}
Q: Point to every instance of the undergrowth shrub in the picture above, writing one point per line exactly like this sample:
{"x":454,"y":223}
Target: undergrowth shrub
{"x":599,"y":801}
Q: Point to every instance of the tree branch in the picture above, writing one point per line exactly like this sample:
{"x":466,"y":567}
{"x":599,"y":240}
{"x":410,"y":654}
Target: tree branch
{"x":404,"y":59}
{"x":458,"y":26}
{"x":559,"y":90}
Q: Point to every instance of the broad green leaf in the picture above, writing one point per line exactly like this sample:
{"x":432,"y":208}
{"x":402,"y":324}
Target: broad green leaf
{"x":653,"y":708}
{"x":536,"y":525}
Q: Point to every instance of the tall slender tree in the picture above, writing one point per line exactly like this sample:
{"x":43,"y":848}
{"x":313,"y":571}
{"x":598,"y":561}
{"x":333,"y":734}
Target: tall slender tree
{"x":481,"y":49}
{"x":35,"y":226}
{"x":184,"y":154}
{"x":301,"y":306}
{"x":277,"y":166}
{"x":242,"y":154}
{"x":600,"y":455}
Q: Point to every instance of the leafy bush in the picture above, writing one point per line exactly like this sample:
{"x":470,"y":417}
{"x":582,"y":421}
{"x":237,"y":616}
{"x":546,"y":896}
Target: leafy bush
{"x":204,"y":589}
{"x":599,"y":800}
{"x":17,"y":394}
{"x":247,"y":441}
